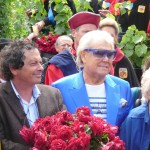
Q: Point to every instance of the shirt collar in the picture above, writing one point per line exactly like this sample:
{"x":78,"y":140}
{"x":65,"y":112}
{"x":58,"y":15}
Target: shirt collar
{"x":36,"y":92}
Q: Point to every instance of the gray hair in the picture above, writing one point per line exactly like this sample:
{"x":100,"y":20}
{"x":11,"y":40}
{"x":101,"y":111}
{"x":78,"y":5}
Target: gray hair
{"x":93,"y":37}
{"x":62,"y":37}
{"x":145,"y":83}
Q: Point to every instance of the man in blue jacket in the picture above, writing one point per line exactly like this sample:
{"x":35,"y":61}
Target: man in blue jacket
{"x":107,"y":96}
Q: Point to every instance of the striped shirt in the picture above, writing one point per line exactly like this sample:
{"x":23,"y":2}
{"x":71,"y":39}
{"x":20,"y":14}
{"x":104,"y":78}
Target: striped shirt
{"x":97,"y":99}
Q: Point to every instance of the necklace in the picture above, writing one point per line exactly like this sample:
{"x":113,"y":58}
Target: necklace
{"x":74,"y":59}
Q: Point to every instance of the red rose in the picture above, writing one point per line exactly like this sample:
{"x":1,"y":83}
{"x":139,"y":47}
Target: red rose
{"x":77,"y":126}
{"x":96,"y":128}
{"x":84,"y":118}
{"x":111,"y":131}
{"x":46,"y":43}
{"x":64,"y":117}
{"x":64,"y":133}
{"x":58,"y":144}
{"x":85,"y":138}
{"x":76,"y":144}
{"x":27,"y":135}
{"x":40,"y":140}
{"x":84,"y":110}
{"x":116,"y":144}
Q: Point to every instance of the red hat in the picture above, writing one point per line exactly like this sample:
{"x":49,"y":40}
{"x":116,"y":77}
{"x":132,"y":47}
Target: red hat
{"x":83,"y":18}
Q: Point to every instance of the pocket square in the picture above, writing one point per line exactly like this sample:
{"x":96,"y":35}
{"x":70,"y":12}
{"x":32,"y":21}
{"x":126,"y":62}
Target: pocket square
{"x":123,"y":102}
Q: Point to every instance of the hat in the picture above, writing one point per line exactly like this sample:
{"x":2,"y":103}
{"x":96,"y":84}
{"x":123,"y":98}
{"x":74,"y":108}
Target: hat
{"x":83,"y":18}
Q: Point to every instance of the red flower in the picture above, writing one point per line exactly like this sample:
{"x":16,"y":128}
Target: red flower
{"x":83,"y":110}
{"x":46,"y":43}
{"x":58,"y":144}
{"x":76,"y":144}
{"x":64,"y":131}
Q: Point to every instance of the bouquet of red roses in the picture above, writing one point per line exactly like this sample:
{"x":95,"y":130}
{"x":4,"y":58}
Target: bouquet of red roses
{"x":64,"y":131}
{"x":46,"y":43}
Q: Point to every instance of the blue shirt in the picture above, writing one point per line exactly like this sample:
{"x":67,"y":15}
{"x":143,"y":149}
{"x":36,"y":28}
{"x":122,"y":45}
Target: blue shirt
{"x":31,"y":108}
{"x":135,"y":131}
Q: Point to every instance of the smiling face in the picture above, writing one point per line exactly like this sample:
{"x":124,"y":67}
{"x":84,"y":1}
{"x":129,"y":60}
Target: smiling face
{"x":30,"y":73}
{"x":96,"y":67}
{"x":63,"y":45}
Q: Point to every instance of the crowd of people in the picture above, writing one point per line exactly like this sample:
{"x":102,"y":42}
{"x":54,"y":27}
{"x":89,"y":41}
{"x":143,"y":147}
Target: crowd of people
{"x":89,"y":70}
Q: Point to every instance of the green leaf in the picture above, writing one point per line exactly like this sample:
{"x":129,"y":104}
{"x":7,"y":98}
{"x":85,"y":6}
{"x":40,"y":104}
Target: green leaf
{"x":128,"y":52}
{"x":137,"y":39}
{"x":140,"y":50}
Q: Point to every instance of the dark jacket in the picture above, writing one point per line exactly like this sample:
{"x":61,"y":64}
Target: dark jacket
{"x":12,"y":116}
{"x":125,"y":65}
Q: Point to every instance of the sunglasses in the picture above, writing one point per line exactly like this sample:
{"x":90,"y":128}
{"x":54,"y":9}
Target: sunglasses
{"x":110,"y":54}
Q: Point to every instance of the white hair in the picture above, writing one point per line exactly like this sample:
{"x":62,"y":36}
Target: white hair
{"x":145,"y":82}
{"x":88,"y":40}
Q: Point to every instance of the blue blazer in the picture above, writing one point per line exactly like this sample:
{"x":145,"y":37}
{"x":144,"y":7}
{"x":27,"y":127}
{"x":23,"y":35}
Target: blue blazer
{"x":75,"y":95}
{"x":135,"y":131}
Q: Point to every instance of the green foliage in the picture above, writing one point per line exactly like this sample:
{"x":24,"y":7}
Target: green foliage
{"x":123,"y":7}
{"x":135,"y":45}
{"x":14,"y":22}
{"x":64,"y":13}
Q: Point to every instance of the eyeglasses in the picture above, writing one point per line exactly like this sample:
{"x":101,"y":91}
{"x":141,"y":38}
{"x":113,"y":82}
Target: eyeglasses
{"x":110,"y":54}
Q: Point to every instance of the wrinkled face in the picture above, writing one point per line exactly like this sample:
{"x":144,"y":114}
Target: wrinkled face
{"x":78,"y":33}
{"x":31,"y":72}
{"x":111,"y":31}
{"x":63,"y":44}
{"x":97,"y":61}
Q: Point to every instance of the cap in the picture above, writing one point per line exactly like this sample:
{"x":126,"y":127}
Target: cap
{"x":84,"y":18}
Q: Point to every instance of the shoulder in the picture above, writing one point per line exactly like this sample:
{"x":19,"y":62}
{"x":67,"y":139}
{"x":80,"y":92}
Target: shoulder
{"x":117,"y":80}
{"x":138,"y":112}
{"x":46,"y":88}
{"x":61,"y":55}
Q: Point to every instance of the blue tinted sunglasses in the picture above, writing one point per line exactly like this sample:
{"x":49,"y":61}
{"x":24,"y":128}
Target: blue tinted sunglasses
{"x":102,"y":53}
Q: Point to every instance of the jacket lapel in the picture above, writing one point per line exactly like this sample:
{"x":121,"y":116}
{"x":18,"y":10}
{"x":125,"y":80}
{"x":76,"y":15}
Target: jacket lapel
{"x":14,"y":103}
{"x":78,"y":92}
{"x":112,"y":98}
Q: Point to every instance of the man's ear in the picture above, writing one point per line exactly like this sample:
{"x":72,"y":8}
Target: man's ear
{"x":73,"y":31}
{"x":83,"y":56}
{"x":13,"y":71}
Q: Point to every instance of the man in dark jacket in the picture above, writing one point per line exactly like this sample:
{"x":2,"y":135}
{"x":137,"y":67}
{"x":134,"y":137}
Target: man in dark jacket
{"x":22,"y":100}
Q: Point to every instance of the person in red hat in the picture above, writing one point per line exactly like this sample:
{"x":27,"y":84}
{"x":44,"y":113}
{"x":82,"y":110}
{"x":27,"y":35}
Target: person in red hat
{"x":64,"y":63}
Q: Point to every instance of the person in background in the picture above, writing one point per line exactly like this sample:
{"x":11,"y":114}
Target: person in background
{"x":22,"y":99}
{"x":51,"y":13}
{"x":146,"y":64}
{"x":133,"y":14}
{"x":49,"y":19}
{"x":135,"y":131}
{"x":63,"y":42}
{"x":64,"y":63}
{"x":3,"y":43}
{"x":122,"y":66}
{"x":107,"y":96}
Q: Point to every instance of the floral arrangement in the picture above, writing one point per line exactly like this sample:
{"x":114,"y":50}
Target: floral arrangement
{"x":64,"y":131}
{"x":46,"y":43}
